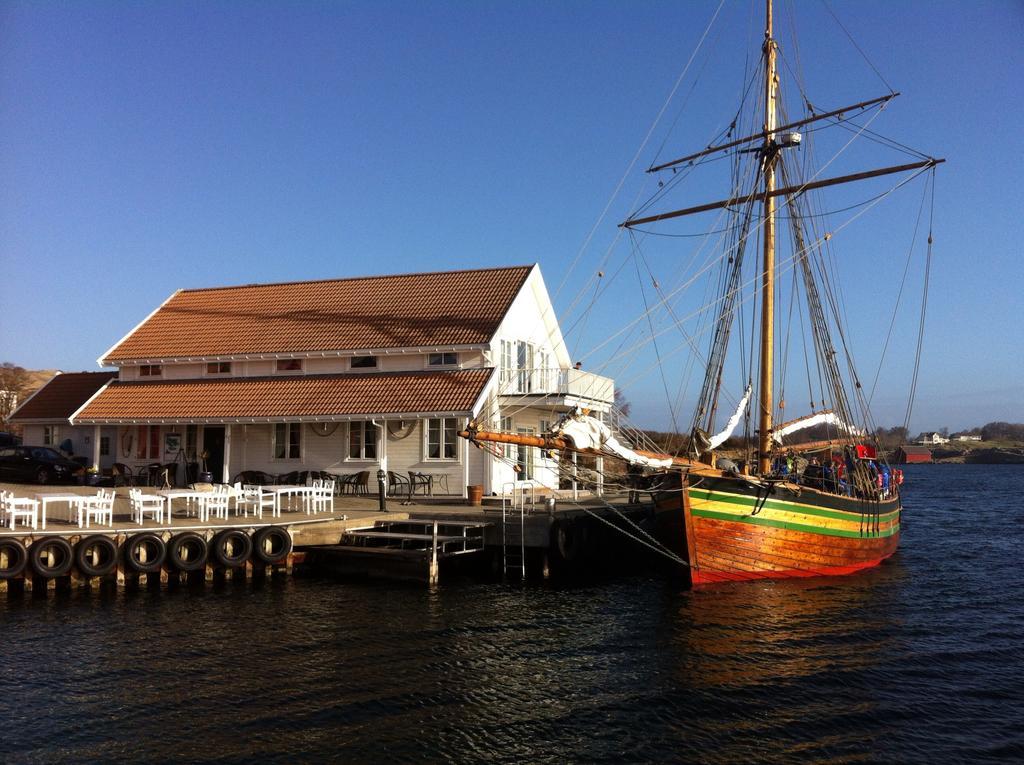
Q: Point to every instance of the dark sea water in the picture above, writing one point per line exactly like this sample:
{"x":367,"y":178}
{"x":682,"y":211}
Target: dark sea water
{"x":919,"y":660}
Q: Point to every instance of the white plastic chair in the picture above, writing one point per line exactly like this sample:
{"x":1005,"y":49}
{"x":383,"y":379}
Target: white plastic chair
{"x":146,"y":503}
{"x":216,"y":503}
{"x":252,"y":497}
{"x":323,"y":499}
{"x":100,"y":507}
{"x":20,"y":507}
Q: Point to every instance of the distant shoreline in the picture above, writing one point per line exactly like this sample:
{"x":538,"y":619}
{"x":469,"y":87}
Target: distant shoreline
{"x":999,"y":455}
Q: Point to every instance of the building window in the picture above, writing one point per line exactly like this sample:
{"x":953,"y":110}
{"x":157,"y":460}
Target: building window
{"x":441,"y":438}
{"x":151,"y":370}
{"x":50,"y":434}
{"x":442,"y":359}
{"x":149,"y":442}
{"x":362,"y":441}
{"x":507,"y":427}
{"x":363,"y":362}
{"x":506,"y":362}
{"x":287,"y":441}
{"x":524,"y":361}
{"x":218,"y":368}
{"x":104,"y":446}
{"x":289,"y":365}
{"x":544,"y":372}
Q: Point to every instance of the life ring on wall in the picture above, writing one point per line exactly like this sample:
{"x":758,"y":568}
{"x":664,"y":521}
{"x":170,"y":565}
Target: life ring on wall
{"x":324,"y":429}
{"x":399,"y":429}
{"x":271,"y":544}
{"x":145,"y":553}
{"x":96,"y":555}
{"x":55,"y":549}
{"x":17,"y":558}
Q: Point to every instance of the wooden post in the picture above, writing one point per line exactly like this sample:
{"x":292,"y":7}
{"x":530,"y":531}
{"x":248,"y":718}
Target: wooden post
{"x":226,"y":475}
{"x":432,"y":573}
{"x":465,"y":463}
{"x":96,"y":448}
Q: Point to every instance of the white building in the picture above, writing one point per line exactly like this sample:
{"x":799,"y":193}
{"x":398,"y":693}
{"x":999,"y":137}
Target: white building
{"x":346,"y":376}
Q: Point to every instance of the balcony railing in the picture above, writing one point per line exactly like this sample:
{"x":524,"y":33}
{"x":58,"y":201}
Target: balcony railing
{"x":557,"y":382}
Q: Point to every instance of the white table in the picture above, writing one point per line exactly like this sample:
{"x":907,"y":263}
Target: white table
{"x":282,"y":490}
{"x":72,"y":500}
{"x":189,"y":495}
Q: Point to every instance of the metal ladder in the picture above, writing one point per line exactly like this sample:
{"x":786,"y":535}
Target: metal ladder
{"x":513,"y":526}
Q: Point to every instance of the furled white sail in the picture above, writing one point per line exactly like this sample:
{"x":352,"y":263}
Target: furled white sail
{"x":822,"y":418}
{"x":587,"y":433}
{"x":717,"y":440}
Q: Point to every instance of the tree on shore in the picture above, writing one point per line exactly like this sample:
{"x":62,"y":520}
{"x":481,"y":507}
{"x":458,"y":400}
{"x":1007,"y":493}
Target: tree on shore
{"x":14,"y":381}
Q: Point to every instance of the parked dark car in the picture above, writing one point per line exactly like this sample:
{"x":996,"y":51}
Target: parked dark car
{"x":36,"y":464}
{"x":9,"y":439}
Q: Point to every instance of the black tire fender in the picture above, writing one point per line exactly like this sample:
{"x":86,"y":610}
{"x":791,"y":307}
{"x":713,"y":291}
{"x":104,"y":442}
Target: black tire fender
{"x":271,"y":544}
{"x":59,"y":549}
{"x":568,"y":537}
{"x":231,"y":548}
{"x":100,"y":547}
{"x":188,"y":551}
{"x":17,"y":558}
{"x":155,"y":550}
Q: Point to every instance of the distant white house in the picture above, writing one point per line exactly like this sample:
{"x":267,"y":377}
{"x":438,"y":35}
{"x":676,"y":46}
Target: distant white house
{"x":964,"y":437}
{"x":930,"y":439}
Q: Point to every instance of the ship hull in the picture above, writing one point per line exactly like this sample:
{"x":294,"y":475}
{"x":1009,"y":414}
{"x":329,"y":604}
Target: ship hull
{"x":736,"y":530}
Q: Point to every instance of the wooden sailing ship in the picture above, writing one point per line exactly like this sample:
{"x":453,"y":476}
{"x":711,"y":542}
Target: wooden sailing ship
{"x":826,"y":506}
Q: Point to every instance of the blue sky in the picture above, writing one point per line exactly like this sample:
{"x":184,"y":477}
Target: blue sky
{"x":152,"y":146}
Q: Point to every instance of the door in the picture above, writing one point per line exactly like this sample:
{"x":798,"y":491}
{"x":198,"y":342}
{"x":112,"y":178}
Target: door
{"x":213,"y":447}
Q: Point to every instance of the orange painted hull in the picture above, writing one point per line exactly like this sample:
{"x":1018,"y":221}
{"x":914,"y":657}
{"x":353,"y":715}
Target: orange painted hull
{"x":732,"y":530}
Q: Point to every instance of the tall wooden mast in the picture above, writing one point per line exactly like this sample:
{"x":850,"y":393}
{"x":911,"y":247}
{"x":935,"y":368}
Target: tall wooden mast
{"x":768,"y":276}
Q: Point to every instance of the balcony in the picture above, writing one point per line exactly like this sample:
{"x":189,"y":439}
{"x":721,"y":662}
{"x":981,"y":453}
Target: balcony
{"x":561,"y":387}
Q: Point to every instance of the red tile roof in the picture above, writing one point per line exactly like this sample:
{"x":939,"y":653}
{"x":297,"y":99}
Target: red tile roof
{"x":261,"y":399}
{"x":61,"y":396}
{"x":412,"y":310}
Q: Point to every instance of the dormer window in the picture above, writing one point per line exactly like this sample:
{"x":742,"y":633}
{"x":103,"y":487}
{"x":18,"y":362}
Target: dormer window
{"x":218,"y":368}
{"x":289,"y":365}
{"x":442,"y":359}
{"x":364,"y":362}
{"x":151,"y":370}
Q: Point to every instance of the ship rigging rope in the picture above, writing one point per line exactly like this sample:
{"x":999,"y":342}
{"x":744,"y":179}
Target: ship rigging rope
{"x":899,"y":294}
{"x":854,"y":43}
{"x":924,"y":307}
{"x":654,"y":341}
{"x":785,"y":264}
{"x":657,"y":547}
{"x":758,"y":227}
{"x":639,"y":151}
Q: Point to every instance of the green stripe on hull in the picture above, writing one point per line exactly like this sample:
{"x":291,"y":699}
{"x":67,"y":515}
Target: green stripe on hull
{"x":757,"y":520}
{"x":741,"y":500}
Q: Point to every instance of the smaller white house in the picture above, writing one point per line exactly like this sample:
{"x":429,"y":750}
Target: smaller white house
{"x":965,"y":437}
{"x":930,"y":439}
{"x":46,"y":417}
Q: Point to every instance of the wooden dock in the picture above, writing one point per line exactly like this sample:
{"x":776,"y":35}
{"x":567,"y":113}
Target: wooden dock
{"x":412,"y":540}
